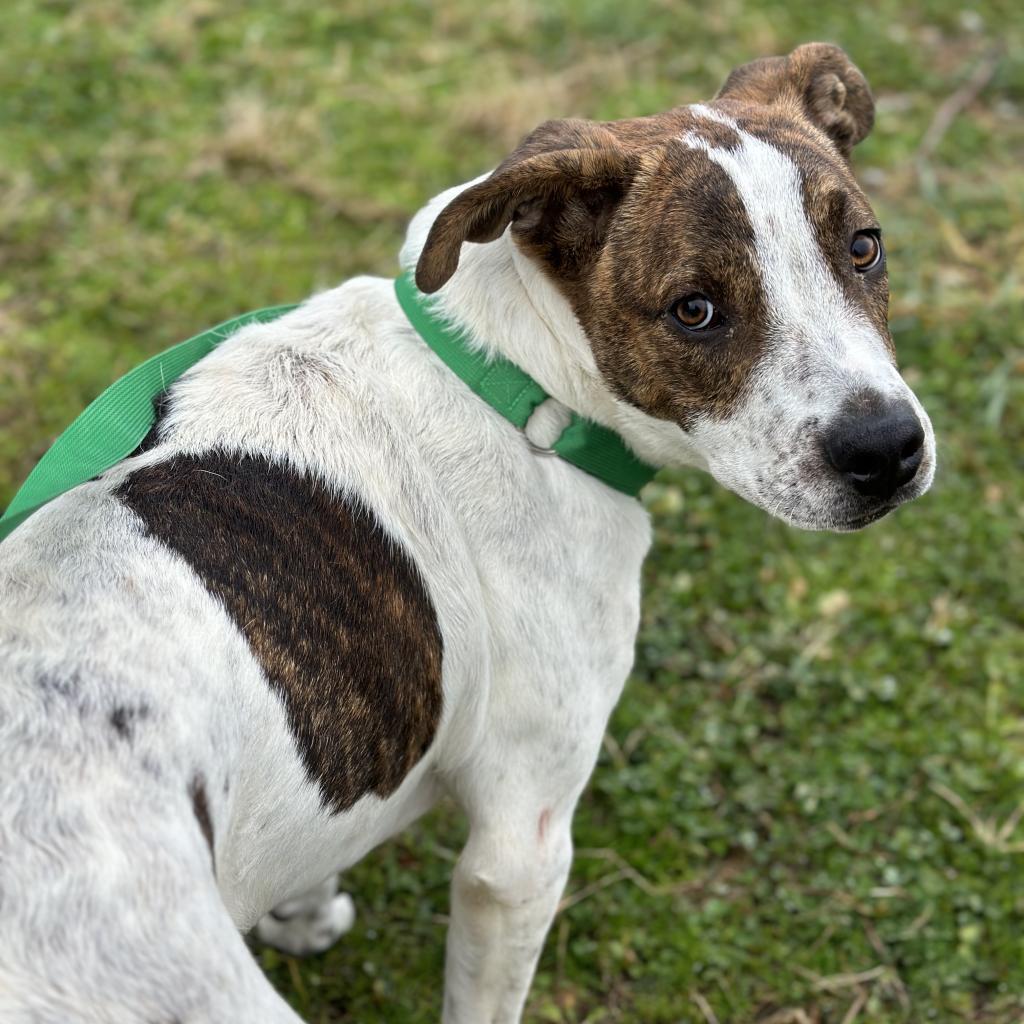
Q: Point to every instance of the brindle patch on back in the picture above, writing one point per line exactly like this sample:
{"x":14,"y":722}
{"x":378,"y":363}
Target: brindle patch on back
{"x":332,"y":607}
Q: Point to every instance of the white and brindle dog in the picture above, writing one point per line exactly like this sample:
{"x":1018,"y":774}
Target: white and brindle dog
{"x":334,"y":584}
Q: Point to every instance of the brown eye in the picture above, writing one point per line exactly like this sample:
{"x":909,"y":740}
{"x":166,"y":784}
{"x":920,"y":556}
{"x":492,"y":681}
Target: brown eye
{"x":865,"y":251}
{"x":696,"y":312}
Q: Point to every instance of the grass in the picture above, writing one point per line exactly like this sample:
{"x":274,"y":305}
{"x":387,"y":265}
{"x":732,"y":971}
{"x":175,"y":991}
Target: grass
{"x":809,"y":804}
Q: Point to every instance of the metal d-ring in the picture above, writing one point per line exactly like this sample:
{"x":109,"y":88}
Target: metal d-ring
{"x":537,"y":450}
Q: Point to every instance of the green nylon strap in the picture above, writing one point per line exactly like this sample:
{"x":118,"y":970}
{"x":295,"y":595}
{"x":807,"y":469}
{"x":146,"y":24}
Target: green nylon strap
{"x":498,"y":382}
{"x":112,"y":426}
{"x":515,"y":394}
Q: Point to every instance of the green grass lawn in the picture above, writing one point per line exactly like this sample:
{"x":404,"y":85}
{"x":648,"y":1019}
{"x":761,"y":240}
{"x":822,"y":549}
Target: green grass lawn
{"x":809,"y":804}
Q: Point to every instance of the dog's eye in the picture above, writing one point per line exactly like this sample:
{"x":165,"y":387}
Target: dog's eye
{"x":865,"y":251}
{"x":696,"y":312}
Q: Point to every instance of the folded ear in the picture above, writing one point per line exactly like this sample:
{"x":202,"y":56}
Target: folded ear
{"x":558,"y":190}
{"x":821,"y":79}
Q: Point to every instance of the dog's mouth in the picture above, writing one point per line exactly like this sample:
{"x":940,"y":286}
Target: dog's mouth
{"x":838,"y":508}
{"x":865,"y":519}
{"x":808,"y":494}
{"x":907,"y":493}
{"x":837,"y":521}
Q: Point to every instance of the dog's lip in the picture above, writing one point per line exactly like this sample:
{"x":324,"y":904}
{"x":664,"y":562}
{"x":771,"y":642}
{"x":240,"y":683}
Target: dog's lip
{"x":859,"y":522}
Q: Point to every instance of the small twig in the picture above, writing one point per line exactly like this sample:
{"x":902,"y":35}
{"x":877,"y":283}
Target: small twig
{"x":642,"y":882}
{"x":827,"y":933}
{"x":955,"y":104}
{"x":614,"y":751}
{"x":819,"y":637}
{"x":296,"y":978}
{"x":887,"y":892}
{"x":841,"y":837}
{"x":788,"y":1015}
{"x":625,"y":872}
{"x":633,"y":740}
{"x":876,"y":941}
{"x":588,"y":890}
{"x":627,"y":869}
{"x":1011,"y":823}
{"x":562,"y":952}
{"x":918,"y":923}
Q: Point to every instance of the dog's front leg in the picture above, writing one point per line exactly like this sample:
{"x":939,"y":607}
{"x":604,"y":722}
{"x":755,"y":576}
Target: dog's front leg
{"x":505,"y":891}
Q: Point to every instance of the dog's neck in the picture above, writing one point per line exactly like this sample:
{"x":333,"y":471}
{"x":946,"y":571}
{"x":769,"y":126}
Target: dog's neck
{"x":509,"y":307}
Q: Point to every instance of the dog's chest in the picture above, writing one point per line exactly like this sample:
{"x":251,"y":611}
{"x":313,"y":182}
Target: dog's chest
{"x":561,"y":585}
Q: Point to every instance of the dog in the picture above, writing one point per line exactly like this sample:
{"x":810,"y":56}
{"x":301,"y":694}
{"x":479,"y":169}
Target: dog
{"x":334,"y":583}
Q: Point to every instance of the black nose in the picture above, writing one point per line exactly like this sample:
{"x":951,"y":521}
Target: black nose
{"x":877,"y":451}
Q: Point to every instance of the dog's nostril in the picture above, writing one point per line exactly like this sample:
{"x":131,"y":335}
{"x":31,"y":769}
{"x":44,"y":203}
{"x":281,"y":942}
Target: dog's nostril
{"x":908,"y":468}
{"x":863,"y":466}
{"x":914,"y":436}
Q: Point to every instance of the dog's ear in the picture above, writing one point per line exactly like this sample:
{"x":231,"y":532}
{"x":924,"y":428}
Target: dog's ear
{"x":821,"y":80}
{"x":558,"y":190}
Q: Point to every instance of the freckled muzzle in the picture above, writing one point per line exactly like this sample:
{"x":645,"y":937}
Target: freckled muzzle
{"x":877,"y":451}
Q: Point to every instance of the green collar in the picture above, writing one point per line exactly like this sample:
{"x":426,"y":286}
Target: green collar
{"x":515,"y":394}
{"x":113,"y":426}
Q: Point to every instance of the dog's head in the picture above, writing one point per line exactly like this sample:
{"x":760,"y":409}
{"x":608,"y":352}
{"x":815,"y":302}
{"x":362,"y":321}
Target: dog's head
{"x":730,"y":278}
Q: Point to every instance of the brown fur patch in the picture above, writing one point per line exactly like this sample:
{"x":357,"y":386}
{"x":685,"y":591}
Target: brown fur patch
{"x":333,"y":609}
{"x":681,"y":229}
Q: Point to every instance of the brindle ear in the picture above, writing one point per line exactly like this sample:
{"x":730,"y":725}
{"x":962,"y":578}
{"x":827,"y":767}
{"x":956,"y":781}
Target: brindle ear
{"x":828,"y":87}
{"x":557,"y":189}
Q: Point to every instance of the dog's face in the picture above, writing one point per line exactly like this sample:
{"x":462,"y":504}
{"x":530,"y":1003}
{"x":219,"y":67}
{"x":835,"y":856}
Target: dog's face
{"x":729,"y":275}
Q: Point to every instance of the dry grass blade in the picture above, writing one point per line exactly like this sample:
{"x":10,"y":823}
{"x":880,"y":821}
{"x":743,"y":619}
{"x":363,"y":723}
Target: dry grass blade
{"x":988,"y":831}
{"x":704,"y":1006}
{"x":789,"y":1015}
{"x":855,"y":1007}
{"x":643,"y":883}
{"x":837,"y":982}
{"x":627,"y":869}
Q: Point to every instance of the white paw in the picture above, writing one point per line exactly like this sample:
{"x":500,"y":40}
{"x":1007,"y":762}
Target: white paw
{"x":306,"y":931}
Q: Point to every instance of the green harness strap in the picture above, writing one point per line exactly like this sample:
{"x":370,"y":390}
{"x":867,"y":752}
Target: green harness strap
{"x":113,"y":425}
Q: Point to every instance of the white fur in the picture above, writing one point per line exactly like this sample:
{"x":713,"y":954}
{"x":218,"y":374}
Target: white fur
{"x":108,"y":907}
